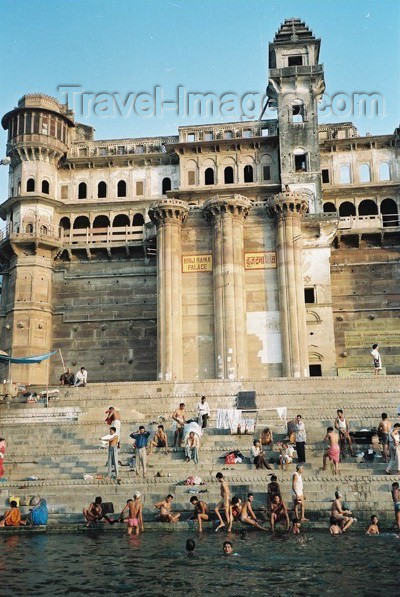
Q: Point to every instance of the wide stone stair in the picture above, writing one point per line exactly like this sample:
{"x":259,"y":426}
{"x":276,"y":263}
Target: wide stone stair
{"x":51,"y":448}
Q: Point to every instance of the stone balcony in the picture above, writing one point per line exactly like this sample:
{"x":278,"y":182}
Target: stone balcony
{"x":120,"y":147}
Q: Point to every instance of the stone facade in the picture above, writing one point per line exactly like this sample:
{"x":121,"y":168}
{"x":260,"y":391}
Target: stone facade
{"x":229,"y":251}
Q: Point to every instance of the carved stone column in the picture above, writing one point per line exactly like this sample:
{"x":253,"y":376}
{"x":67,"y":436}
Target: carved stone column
{"x":227,"y":214}
{"x":288,"y":209}
{"x":168,"y":216}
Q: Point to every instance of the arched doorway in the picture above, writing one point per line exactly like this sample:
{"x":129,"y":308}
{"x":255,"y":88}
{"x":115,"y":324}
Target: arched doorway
{"x":390,"y":213}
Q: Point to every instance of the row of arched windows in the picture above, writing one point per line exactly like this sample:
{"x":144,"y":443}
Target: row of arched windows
{"x":30,"y":186}
{"x":102,"y":221}
{"x":121,"y":188}
{"x":388,"y":208}
{"x":209,"y":175}
{"x":345,"y":174}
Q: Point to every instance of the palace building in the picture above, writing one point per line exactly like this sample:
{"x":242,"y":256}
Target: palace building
{"x":244,"y":250}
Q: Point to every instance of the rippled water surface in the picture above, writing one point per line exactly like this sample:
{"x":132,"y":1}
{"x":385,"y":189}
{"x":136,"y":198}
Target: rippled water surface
{"x":99,"y":563}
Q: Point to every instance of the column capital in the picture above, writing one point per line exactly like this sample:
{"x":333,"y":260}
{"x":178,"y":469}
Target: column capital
{"x":289,"y":203}
{"x":235,"y":205}
{"x":173,"y":211}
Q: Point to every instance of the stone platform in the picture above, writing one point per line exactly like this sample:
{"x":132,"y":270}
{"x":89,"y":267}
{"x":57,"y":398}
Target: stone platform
{"x":59,"y":444}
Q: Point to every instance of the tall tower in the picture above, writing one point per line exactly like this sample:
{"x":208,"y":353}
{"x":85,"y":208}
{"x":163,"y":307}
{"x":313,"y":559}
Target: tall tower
{"x":38,"y":131}
{"x":296,"y":84}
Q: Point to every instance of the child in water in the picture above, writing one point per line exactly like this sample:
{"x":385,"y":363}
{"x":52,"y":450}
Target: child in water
{"x":295,"y":528}
{"x":373,"y":528}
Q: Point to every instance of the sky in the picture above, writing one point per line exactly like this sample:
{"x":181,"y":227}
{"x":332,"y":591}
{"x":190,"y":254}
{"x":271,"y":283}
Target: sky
{"x":208,"y":46}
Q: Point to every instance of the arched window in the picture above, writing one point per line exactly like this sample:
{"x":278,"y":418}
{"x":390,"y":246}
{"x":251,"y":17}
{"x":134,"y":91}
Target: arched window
{"x":102,"y":190}
{"x":19,"y":187}
{"x":345,"y":174}
{"x":45,"y":187}
{"x":82,"y":191}
{"x":209,"y":176}
{"x":121,"y":220}
{"x":65,"y":223}
{"x":166,"y":185}
{"x":248,"y":174}
{"x":43,"y":230}
{"x":367,"y":208}
{"x":30,"y":185}
{"x":101,"y":222}
{"x":228,"y":175}
{"x":121,"y":188}
{"x":29,"y":229}
{"x":138,"y":220}
{"x":384,"y":171}
{"x":81,"y":222}
{"x":365,"y":173}
{"x":390,"y":213}
{"x":298,"y":112}
{"x":329,"y":207}
{"x":347,"y":209}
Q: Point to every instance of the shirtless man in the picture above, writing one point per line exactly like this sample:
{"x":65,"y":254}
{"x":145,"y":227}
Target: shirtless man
{"x":224,"y":503}
{"x":179,"y":416}
{"x":135,"y":514}
{"x":298,"y":494}
{"x":160,"y":440}
{"x":279,"y":512}
{"x":342,"y":427}
{"x":396,"y":502}
{"x":384,"y":428}
{"x":373,"y":528}
{"x":247,"y":514}
{"x":94,"y":513}
{"x":333,"y":450}
{"x":166,"y":514}
{"x":340,"y":517}
{"x":200,"y":511}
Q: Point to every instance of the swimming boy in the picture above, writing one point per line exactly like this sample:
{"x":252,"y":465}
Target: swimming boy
{"x":373,"y":528}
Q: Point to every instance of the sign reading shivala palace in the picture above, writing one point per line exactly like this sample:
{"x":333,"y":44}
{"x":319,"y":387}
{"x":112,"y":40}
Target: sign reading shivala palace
{"x":260,"y":260}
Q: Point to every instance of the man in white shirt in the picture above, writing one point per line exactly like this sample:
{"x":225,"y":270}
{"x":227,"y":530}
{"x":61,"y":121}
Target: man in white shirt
{"x":81,"y":377}
{"x":376,"y":357}
{"x":203,"y":412}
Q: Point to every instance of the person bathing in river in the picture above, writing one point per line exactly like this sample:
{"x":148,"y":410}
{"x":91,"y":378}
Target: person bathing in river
{"x":134,"y":508}
{"x":373,"y":528}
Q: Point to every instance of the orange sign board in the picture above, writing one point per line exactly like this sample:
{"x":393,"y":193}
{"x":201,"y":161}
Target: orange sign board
{"x":196,"y":263}
{"x":260,"y":260}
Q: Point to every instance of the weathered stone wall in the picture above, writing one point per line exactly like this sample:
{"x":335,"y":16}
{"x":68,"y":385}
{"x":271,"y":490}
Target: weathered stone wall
{"x":197,"y":303}
{"x":105,"y":318}
{"x":366,"y":304}
{"x":262,"y":307}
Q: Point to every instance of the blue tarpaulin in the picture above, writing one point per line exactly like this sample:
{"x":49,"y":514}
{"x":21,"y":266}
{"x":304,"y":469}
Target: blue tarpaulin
{"x":26,"y":360}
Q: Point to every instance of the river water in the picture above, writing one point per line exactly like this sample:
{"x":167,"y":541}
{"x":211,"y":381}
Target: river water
{"x":111,"y":563}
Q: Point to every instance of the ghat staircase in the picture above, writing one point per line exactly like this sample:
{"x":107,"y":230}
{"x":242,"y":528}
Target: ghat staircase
{"x":50,"y":448}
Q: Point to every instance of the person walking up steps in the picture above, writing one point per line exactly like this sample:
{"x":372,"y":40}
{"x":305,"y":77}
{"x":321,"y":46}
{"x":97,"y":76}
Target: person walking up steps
{"x":301,"y":439}
{"x":376,"y":359}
